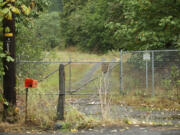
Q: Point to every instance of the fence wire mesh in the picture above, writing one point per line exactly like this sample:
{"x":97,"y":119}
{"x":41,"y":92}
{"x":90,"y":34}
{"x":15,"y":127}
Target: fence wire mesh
{"x":124,"y":88}
{"x":151,"y":72}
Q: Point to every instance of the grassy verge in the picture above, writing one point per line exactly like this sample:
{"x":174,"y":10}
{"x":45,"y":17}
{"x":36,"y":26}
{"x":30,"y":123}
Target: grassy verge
{"x":145,"y":103}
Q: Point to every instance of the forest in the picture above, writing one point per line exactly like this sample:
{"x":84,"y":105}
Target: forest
{"x":102,"y":25}
{"x":96,"y":26}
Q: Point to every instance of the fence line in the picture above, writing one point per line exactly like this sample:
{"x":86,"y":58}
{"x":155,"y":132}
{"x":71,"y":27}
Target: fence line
{"x":151,"y":51}
{"x":22,"y":61}
{"x":146,"y":76}
{"x":67,"y":93}
{"x":134,"y":77}
{"x":50,"y":74}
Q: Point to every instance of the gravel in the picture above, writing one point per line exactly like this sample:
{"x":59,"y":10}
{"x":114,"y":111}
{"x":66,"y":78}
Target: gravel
{"x":114,"y":131}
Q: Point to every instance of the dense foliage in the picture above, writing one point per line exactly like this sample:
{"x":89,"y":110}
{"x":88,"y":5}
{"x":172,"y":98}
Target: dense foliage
{"x":83,"y":25}
{"x":121,"y":24}
{"x":95,"y":25}
{"x":40,"y":35}
{"x":28,"y":14}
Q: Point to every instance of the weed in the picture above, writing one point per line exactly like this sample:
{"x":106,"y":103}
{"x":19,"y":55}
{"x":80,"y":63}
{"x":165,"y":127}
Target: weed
{"x":103,"y":96}
{"x":78,"y":120}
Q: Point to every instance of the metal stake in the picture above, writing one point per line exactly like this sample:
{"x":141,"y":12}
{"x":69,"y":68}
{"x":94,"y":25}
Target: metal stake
{"x":121,"y":71}
{"x":70,"y":74}
{"x":26,"y":105}
{"x":146,"y":74}
{"x":153,"y":73}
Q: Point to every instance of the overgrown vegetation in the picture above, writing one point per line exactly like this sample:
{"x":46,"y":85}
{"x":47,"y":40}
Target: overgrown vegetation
{"x":120,"y":24}
{"x":96,"y":26}
{"x":45,"y":116}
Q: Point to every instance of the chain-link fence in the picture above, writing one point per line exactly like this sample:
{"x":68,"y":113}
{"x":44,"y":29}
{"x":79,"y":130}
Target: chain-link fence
{"x":151,"y":72}
{"x":124,"y":88}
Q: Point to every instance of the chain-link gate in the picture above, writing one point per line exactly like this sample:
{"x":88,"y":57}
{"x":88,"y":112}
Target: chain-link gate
{"x":120,"y":89}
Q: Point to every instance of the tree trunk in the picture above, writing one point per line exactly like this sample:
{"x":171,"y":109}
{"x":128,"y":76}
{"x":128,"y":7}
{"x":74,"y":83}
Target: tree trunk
{"x":9,"y":79}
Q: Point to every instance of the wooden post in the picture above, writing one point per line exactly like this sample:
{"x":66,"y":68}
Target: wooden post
{"x":61,"y":100}
{"x":9,"y":78}
{"x":26,"y":105}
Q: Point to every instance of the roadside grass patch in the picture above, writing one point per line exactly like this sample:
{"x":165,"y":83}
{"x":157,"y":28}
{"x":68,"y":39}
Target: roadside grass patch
{"x":78,"y":120}
{"x":145,"y":102}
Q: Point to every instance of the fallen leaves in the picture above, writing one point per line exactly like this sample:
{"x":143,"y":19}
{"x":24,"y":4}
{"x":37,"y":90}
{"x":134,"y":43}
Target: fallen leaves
{"x":74,"y":130}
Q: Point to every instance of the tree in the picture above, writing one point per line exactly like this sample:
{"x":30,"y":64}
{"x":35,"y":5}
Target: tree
{"x":145,"y":24}
{"x":9,"y":78}
{"x":7,"y":12}
{"x":121,"y":24}
{"x":82,"y":25}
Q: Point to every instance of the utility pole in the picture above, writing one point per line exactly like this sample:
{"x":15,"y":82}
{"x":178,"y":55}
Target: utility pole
{"x":9,"y":79}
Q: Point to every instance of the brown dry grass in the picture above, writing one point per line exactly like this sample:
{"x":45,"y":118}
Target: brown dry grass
{"x":6,"y":127}
{"x":159,"y":103}
{"x":21,"y":127}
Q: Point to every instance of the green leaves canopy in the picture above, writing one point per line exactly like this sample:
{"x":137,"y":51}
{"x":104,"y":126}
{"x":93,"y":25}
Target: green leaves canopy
{"x":146,"y":24}
{"x":82,"y":25}
{"x":121,"y":24}
{"x":27,"y":11}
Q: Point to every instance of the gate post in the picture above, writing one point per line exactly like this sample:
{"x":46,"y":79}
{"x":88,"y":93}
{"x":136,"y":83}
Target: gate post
{"x":153,"y":94}
{"x":121,"y":72}
{"x":61,"y":99}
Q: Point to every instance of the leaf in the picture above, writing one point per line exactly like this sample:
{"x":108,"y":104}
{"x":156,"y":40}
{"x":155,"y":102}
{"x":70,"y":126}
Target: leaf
{"x":7,"y":30}
{"x":129,"y":122}
{"x":15,"y":10}
{"x":6,"y":103}
{"x":2,"y":55}
{"x":5,"y":10}
{"x":9,"y":59}
{"x":28,"y":11}
{"x":16,"y":110}
{"x":8,"y":15}
{"x":2,"y":3}
{"x":25,"y":9}
{"x":74,"y":130}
